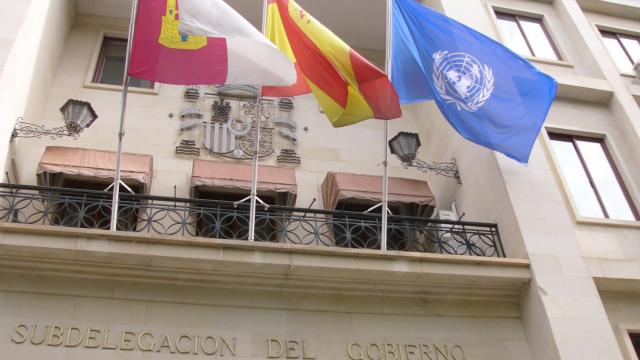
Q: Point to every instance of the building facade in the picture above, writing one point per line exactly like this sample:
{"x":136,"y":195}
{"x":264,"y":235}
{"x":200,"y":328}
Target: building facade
{"x":514,"y":262}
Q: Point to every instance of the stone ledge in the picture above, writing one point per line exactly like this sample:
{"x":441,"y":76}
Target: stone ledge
{"x":236,"y":264}
{"x":623,"y":8}
{"x":583,"y":88}
{"x":615,"y":274}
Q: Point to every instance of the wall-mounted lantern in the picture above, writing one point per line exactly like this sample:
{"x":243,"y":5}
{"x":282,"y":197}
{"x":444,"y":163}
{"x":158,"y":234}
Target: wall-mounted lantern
{"x":77,"y":115}
{"x":405,"y":146}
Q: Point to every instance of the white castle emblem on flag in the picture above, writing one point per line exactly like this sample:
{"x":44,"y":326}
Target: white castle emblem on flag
{"x":462,"y":80}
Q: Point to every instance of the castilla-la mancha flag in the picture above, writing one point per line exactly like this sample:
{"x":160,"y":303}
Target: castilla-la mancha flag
{"x":191,"y":42}
{"x":348,"y":87}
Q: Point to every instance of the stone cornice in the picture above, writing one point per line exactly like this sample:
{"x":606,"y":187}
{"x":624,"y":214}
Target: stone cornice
{"x":623,"y":8}
{"x":201,"y":262}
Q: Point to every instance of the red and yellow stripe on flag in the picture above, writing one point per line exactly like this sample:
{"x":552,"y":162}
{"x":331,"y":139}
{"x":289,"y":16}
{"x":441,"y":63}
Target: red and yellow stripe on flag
{"x":348,"y":87}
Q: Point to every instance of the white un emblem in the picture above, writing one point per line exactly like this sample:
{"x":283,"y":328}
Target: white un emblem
{"x":462,"y":80}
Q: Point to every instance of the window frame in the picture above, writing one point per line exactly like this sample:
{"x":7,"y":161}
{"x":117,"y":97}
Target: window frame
{"x":553,"y":135}
{"x":626,"y":330}
{"x":349,"y":208}
{"x":99,"y":219}
{"x":604,"y":31}
{"x":636,"y":335}
{"x":96,"y":58}
{"x":269,"y":227}
{"x":501,"y":14}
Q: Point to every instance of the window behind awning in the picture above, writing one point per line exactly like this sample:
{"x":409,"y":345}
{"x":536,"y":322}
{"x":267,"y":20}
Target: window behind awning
{"x":100,"y":164}
{"x":339,"y":186}
{"x":234,"y":177}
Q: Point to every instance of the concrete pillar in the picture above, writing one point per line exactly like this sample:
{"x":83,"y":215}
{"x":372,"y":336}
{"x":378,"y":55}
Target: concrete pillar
{"x":29,"y":62}
{"x":562,"y":313}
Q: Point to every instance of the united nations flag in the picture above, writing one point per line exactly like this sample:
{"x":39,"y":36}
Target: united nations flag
{"x":489,"y":94}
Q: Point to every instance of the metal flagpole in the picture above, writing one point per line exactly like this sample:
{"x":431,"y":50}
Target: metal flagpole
{"x":254,"y":173}
{"x":385,"y":189}
{"x":253,"y":196}
{"x":385,"y":177}
{"x":254,"y":176}
{"x":123,"y":111}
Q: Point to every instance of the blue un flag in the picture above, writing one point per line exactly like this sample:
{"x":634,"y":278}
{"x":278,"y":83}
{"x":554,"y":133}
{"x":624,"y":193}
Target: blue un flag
{"x":489,"y":94}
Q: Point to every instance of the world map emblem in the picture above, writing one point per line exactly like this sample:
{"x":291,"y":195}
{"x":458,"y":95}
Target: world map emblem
{"x":462,"y":80}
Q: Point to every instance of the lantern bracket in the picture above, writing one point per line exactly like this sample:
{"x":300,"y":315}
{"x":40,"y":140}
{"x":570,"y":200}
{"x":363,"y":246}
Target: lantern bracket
{"x":77,"y":115}
{"x":405,"y":146}
{"x":25,"y":129}
{"x":446,"y":169}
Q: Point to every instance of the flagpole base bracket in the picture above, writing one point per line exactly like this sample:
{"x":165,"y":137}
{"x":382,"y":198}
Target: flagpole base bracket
{"x":266,"y":206}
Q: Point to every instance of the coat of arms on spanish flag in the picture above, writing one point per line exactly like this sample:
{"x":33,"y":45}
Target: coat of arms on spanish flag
{"x":348,"y":87}
{"x":189,"y":42}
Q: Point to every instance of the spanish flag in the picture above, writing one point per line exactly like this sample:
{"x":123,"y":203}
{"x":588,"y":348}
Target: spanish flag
{"x":348,"y":87}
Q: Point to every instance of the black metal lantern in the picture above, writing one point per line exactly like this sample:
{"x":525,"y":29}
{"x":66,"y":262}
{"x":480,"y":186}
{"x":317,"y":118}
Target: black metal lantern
{"x":405,"y":146}
{"x":77,"y":115}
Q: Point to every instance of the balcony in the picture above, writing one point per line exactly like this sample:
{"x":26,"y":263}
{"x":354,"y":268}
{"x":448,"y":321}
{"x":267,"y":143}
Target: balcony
{"x":154,"y":215}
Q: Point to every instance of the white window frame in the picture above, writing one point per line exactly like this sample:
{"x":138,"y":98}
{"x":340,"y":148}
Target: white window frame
{"x":95,"y":57}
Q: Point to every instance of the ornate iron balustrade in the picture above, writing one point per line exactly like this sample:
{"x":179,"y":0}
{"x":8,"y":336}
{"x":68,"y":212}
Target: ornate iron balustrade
{"x":220,"y":219}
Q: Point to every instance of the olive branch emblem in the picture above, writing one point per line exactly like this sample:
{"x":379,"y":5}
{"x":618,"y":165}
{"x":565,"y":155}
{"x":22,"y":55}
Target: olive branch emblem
{"x":476,"y":103}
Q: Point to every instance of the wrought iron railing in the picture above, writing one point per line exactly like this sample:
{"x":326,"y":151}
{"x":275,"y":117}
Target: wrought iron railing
{"x":220,"y":219}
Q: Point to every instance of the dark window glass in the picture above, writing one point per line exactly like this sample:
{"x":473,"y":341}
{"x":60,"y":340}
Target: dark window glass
{"x":624,"y":49}
{"x":225,"y":221}
{"x":635,"y":340}
{"x":527,"y":36}
{"x":92,"y":210}
{"x":593,"y":180}
{"x":363,"y":231}
{"x":110,"y":67}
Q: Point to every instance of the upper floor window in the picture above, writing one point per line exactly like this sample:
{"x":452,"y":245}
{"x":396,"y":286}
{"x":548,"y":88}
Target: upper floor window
{"x":635,"y":342}
{"x":593,"y":180}
{"x":527,"y":36}
{"x":624,"y":49}
{"x":111,"y":62}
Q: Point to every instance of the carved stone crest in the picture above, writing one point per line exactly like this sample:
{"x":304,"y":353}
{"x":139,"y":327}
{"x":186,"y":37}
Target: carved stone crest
{"x":230,"y":130}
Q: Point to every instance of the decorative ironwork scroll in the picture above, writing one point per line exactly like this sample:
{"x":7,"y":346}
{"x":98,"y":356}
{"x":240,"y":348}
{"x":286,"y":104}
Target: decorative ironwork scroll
{"x":446,"y":169}
{"x":24,"y":129}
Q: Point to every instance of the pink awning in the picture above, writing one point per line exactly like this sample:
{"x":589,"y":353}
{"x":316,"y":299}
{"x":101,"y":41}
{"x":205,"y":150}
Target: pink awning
{"x":238,"y":176}
{"x":95,"y":163}
{"x":337,"y":186}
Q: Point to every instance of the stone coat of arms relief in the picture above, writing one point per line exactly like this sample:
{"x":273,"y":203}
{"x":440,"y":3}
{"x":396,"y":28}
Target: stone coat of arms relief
{"x":223,"y":123}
